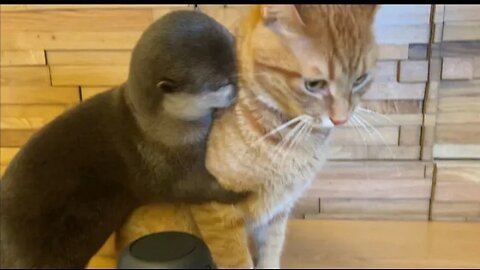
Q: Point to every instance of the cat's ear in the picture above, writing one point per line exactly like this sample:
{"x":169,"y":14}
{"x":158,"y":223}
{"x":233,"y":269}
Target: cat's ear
{"x":281,"y":14}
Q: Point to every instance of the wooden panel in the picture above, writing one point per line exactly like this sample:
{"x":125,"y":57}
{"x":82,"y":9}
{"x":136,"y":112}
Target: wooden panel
{"x":456,"y":151}
{"x":393,"y":52}
{"x":459,"y":104}
{"x":159,"y":11}
{"x":403,"y":15}
{"x":386,"y":71}
{"x":22,"y":58}
{"x":461,"y":31}
{"x":39,"y":95}
{"x":417,"y":51}
{"x":88,"y":75}
{"x":32,"y":7}
{"x":374,"y":152}
{"x":410,"y":135}
{"x":394,"y":90}
{"x":459,"y":118}
{"x":366,"y":216}
{"x":364,"y":136}
{"x":371,"y":189}
{"x":393,"y":106}
{"x":402,"y":34}
{"x":381,"y":208}
{"x":89,"y":57}
{"x":466,"y":48}
{"x":457,"y":68}
{"x":228,"y":16}
{"x":88,"y":92}
{"x":388,"y":120}
{"x":69,"y":40}
{"x":461,"y":13}
{"x":476,"y":67}
{"x":413,"y":71}
{"x":458,"y":181}
{"x":386,"y":170}
{"x":7,"y":154}
{"x":14,"y":138}
{"x":10,"y":76}
{"x":455,"y":211}
{"x":457,"y":134}
{"x":28,"y":117}
{"x":459,"y":88}
{"x":306,"y":205}
{"x":89,"y":20}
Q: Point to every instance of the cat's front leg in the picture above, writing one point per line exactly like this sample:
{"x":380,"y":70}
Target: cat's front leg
{"x":270,"y":241}
{"x":223,"y":229}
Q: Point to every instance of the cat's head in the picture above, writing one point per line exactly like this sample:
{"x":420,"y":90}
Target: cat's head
{"x":325,"y":55}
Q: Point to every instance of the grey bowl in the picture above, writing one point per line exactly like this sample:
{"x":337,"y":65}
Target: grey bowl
{"x":167,"y":250}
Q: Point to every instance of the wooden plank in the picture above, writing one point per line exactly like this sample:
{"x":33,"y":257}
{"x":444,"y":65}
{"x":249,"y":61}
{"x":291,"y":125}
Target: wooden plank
{"x":364,"y":136}
{"x":457,"y":191}
{"x":39,"y":95}
{"x":27,"y":76}
{"x":410,"y":135}
{"x":393,"y":51}
{"x":386,"y":71}
{"x":417,"y":51}
{"x":228,"y":16}
{"x":7,"y":154}
{"x":379,"y":207}
{"x":394,"y":90}
{"x":413,"y":71}
{"x":461,"y":211}
{"x":122,"y":40}
{"x":456,"y":151}
{"x":403,"y":15}
{"x":77,"y":20}
{"x":88,"y":92}
{"x":22,"y":58}
{"x":456,"y":13}
{"x":476,"y":67}
{"x":393,"y":106}
{"x":467,"y":171}
{"x":118,"y":57}
{"x":382,"y":170}
{"x":33,"y":7}
{"x":14,"y":138}
{"x":88,"y":75}
{"x":457,"y":134}
{"x":159,"y":11}
{"x":402,"y":34}
{"x":28,"y":117}
{"x":374,"y":152}
{"x":459,"y":118}
{"x":371,"y":189}
{"x":366,"y":216}
{"x":459,"y":88}
{"x":455,"y":68}
{"x":459,"y":104}
{"x":305,"y":205}
{"x":461,"y":31}
{"x":387,"y":120}
{"x":465,"y":49}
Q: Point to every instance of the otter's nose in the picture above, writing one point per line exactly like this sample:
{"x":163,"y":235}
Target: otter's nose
{"x":337,"y":122}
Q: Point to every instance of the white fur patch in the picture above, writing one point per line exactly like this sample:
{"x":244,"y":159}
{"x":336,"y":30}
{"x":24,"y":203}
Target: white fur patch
{"x":192,"y":107}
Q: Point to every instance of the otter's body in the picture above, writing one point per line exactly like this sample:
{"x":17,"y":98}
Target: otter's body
{"x":79,"y":177}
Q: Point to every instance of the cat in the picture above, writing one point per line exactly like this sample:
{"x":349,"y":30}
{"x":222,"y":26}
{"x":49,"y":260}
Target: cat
{"x":302,"y":71}
{"x":79,"y":177}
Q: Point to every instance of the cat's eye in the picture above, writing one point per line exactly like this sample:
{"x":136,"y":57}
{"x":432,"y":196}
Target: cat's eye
{"x":360,"y":80}
{"x":315,"y":86}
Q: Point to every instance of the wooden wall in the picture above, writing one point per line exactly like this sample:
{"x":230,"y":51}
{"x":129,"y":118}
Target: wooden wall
{"x":417,"y":162}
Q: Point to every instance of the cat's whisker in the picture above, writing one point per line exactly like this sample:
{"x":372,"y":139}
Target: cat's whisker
{"x":354,"y":118}
{"x":380,"y":136}
{"x":286,"y":140}
{"x":305,"y":125}
{"x":374,"y":114}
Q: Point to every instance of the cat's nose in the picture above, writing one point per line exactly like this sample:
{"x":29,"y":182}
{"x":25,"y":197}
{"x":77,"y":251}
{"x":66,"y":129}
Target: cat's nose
{"x":337,"y":122}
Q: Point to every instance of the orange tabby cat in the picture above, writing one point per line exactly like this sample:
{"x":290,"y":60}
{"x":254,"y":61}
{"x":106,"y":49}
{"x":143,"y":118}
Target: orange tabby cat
{"x":303,"y":69}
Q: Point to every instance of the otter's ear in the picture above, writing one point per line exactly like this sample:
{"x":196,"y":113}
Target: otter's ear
{"x":286,"y":15}
{"x":166,"y":86}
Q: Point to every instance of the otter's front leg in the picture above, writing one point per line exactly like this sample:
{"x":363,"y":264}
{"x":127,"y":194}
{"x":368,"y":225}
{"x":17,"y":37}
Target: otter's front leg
{"x":202,"y":187}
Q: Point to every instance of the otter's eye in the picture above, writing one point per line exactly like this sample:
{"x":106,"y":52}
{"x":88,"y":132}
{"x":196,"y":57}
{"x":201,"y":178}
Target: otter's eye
{"x":360,"y":80}
{"x":315,"y":86}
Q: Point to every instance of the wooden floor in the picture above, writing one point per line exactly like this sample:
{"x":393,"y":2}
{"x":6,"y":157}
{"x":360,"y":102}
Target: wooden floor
{"x":379,"y":244}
